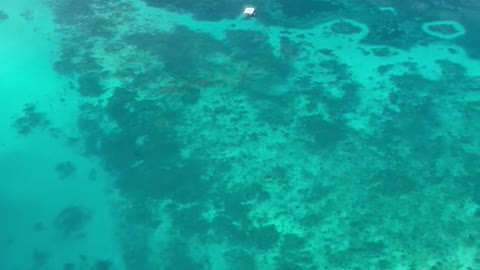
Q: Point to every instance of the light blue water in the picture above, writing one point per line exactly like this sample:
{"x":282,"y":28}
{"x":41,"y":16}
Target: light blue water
{"x":181,"y":135}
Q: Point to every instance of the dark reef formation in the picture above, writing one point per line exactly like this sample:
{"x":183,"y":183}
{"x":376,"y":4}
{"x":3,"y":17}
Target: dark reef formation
{"x":206,"y":132}
{"x":71,"y":221}
{"x":3,"y":16}
{"x":65,"y":169}
{"x":30,"y":120}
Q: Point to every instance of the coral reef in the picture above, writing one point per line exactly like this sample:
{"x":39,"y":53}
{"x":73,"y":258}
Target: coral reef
{"x":316,"y":135}
{"x":444,"y":29}
{"x":65,"y":169}
{"x":30,"y":120}
{"x":71,"y":221}
{"x":3,"y":16}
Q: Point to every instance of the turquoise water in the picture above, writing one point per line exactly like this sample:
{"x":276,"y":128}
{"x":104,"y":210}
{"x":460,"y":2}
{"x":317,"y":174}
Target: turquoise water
{"x":178,"y":134}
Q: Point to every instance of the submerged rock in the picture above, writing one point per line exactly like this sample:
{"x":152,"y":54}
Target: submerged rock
{"x":65,"y":169}
{"x":3,"y":16}
{"x":71,"y":220}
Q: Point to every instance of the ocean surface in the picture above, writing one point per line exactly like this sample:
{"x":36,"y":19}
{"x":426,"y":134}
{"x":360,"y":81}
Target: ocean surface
{"x":183,"y":135}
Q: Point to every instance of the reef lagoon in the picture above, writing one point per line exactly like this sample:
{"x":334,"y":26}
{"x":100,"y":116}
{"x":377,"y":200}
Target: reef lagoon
{"x":183,"y":135}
